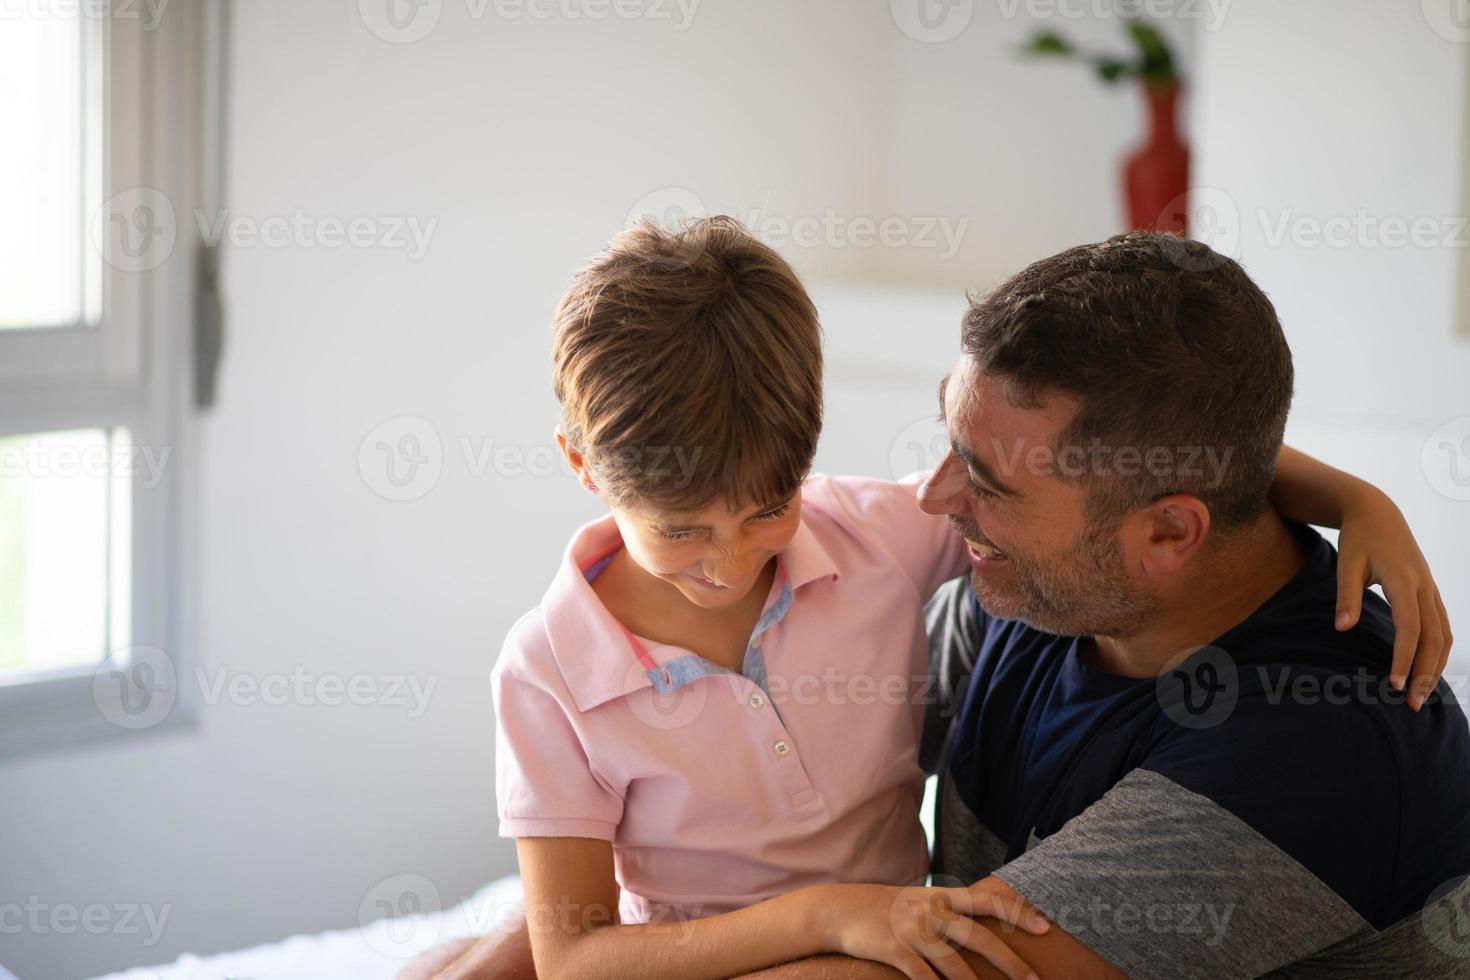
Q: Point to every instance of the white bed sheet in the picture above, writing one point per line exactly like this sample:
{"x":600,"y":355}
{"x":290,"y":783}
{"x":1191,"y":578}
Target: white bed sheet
{"x":375,"y":951}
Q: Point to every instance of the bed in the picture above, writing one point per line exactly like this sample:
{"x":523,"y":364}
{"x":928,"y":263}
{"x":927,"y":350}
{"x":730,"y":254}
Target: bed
{"x":377,"y":950}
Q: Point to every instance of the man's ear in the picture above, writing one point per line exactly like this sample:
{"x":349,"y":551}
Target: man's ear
{"x":1169,"y":532}
{"x":574,"y":458}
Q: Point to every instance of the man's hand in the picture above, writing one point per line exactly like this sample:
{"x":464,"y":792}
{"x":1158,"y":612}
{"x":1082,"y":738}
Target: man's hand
{"x":502,"y":955}
{"x":427,"y":966}
{"x":1052,"y":953}
{"x":919,"y":930}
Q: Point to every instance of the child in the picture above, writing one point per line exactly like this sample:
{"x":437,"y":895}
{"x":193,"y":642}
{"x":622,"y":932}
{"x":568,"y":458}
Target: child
{"x":710,"y":723}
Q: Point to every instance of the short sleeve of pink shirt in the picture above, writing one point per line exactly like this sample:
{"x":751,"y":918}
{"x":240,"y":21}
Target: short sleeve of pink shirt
{"x":720,"y":789}
{"x":545,"y":785}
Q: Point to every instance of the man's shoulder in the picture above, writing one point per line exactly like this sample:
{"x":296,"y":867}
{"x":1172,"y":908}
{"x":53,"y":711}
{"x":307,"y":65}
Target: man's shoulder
{"x":1296,"y":625}
{"x":1340,"y":777}
{"x":1289,"y":695}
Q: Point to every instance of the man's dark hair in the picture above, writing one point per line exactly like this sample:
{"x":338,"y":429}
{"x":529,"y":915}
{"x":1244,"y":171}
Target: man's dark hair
{"x":1167,"y":345}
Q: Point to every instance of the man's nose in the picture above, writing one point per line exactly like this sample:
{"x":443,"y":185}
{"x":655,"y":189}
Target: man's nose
{"x":943,"y":492}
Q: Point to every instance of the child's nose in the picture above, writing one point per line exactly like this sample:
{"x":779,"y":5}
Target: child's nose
{"x":734,"y":562}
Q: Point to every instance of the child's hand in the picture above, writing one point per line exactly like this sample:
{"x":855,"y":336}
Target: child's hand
{"x":1377,"y":547}
{"x":911,"y":929}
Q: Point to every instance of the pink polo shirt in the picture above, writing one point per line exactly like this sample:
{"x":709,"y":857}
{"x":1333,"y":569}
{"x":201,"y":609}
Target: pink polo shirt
{"x":717,"y":789}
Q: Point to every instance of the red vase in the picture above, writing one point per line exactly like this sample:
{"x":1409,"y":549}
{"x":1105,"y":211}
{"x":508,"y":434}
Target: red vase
{"x":1156,"y":176}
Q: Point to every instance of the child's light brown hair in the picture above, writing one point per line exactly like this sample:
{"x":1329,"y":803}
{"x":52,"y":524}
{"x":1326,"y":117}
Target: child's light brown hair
{"x":688,"y":364}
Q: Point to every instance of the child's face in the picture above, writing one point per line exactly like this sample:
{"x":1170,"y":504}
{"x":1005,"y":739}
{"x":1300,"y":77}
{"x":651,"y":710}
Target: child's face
{"x":715,"y":556}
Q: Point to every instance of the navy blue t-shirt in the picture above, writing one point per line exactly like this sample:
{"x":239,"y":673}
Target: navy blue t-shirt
{"x":1273,"y":790}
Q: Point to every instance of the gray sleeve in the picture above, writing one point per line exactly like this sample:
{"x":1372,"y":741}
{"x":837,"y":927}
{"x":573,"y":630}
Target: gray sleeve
{"x":1163,"y":882}
{"x":954,"y":641}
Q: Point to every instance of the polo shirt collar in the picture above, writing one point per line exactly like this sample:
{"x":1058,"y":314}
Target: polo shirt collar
{"x":589,"y":645}
{"x":806,"y":559}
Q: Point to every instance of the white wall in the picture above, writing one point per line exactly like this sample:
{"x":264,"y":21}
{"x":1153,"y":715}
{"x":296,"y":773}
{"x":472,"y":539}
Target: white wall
{"x":1323,"y":109}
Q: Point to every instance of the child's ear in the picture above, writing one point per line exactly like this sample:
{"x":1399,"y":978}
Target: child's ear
{"x":574,"y":458}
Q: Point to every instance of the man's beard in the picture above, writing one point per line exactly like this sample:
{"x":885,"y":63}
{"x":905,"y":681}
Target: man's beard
{"x":1084,"y":591}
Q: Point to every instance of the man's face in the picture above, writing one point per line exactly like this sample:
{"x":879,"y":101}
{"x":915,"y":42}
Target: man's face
{"x":1034,"y":556}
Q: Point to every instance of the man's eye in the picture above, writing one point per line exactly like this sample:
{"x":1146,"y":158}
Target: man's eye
{"x":978,"y":490}
{"x":677,"y":535}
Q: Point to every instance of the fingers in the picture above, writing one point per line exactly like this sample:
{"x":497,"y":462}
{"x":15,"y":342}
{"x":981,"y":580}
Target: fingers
{"x":915,"y":967}
{"x":951,"y":965}
{"x":430,"y":963}
{"x":980,"y":940}
{"x":953,"y":909}
{"x":1429,"y":656}
{"x":1449,"y":636}
{"x":1433,"y":652}
{"x":1352,"y":579}
{"x":1012,"y":909}
{"x":1405,"y":640}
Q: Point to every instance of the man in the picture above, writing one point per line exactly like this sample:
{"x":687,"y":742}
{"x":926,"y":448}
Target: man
{"x":1152,"y":731}
{"x":1148,"y":727}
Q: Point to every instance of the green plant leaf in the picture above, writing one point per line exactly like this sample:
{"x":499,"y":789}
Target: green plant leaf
{"x":1111,"y":70}
{"x":1157,"y":63}
{"x":1049,"y":43}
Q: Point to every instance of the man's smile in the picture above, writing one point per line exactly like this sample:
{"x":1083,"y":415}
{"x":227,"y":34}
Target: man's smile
{"x":981,"y":547}
{"x":985,"y":551}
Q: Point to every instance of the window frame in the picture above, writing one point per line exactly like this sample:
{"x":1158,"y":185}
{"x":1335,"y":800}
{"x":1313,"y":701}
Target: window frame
{"x":134,"y":369}
{"x":83,"y":355}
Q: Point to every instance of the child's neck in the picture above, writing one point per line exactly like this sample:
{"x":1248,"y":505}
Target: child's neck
{"x":653,"y":608}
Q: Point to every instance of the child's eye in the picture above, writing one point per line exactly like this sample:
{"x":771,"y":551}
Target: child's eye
{"x":685,"y":535}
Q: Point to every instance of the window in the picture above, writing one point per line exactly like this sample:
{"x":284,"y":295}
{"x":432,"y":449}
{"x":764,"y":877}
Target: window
{"x":51,"y":178}
{"x":102,"y":104}
{"x":65,"y":545}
